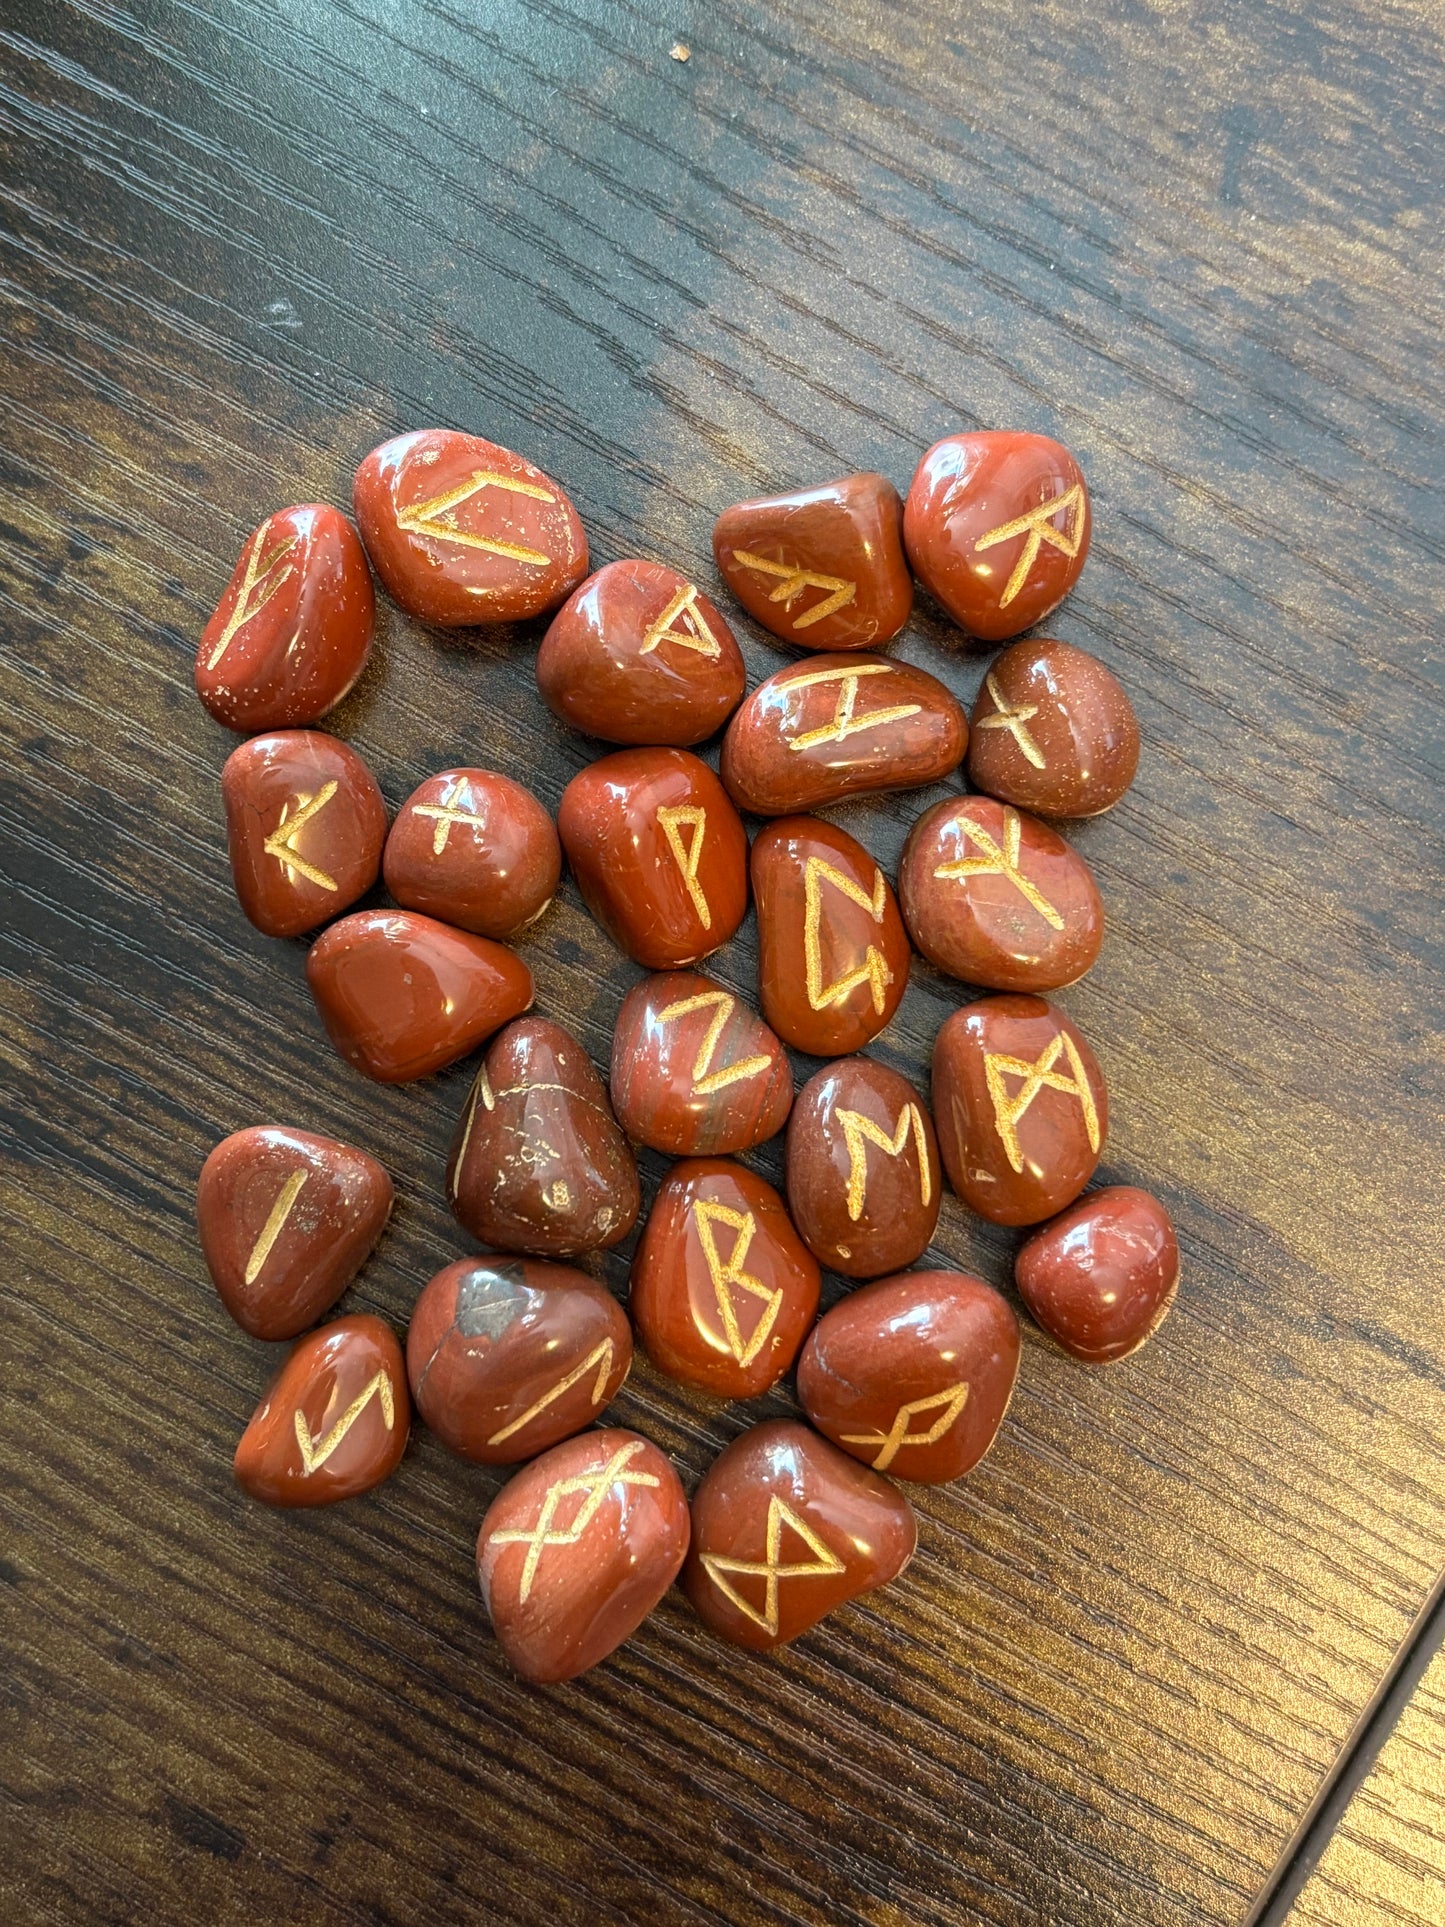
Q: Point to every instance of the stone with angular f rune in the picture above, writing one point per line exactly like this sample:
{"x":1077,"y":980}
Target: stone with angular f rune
{"x":335,"y":1420}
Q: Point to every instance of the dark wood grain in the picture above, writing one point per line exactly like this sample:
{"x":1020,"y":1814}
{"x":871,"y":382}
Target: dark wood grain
{"x":245,"y":241}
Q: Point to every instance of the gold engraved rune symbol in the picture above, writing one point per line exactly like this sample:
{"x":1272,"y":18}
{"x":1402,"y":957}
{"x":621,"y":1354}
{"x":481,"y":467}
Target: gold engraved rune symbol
{"x":948,"y":1404}
{"x":1038,"y":525}
{"x":446,"y":813}
{"x":694,"y":633}
{"x":996,"y":862}
{"x":601,"y":1357}
{"x":873,"y":970}
{"x":281,"y":843}
{"x":824,"y":1564}
{"x":1008,"y":1112}
{"x":315,"y":1452}
{"x":258,"y":585}
{"x":859,"y":1132}
{"x":1013,"y":717}
{"x":840,"y":591}
{"x":436,"y":517}
{"x":844,"y":723}
{"x":672,"y":817}
{"x":705,"y":1080}
{"x":724,"y":1276}
{"x":275,"y":1224}
{"x":594,"y":1487}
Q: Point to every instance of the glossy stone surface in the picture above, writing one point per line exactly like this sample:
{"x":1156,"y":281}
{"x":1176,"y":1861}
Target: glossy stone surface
{"x":821,"y":567}
{"x":840,"y":726}
{"x":1101,"y":1278}
{"x":473,"y":848}
{"x":507,"y":1356}
{"x":401,"y":995}
{"x":287,"y":1218}
{"x":576,"y":1551}
{"x":659,"y":853}
{"x":335,"y":1420}
{"x":864,"y":1181}
{"x":723,"y":1288}
{"x":639,"y":654}
{"x":832,"y":951}
{"x":785,"y":1528}
{"x":462,"y":531}
{"x":913,"y":1374}
{"x":538,"y":1163}
{"x":1053,"y":730}
{"x":695,"y":1072}
{"x":995,"y":897}
{"x":304,"y":826}
{"x":291,"y":634}
{"x":997,"y":528}
{"x":1021,"y":1107}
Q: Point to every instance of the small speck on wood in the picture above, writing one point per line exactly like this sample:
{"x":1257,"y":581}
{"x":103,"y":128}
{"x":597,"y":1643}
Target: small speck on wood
{"x":681,"y":50}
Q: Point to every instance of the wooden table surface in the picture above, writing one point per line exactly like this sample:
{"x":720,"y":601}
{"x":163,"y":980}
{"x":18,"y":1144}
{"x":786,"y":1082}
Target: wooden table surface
{"x":246,"y":240}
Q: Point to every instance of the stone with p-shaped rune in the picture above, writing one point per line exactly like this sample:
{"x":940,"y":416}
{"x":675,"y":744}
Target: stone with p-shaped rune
{"x":335,"y":1420}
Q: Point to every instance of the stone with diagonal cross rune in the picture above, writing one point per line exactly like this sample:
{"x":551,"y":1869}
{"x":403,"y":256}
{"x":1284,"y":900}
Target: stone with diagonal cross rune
{"x":335,"y":1420}
{"x":1053,"y":730}
{"x":475,"y":849}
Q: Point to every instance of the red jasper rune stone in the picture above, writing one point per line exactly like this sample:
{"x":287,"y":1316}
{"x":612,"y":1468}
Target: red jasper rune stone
{"x":305,"y":824}
{"x":1021,"y":1108}
{"x":1101,"y":1278}
{"x":821,"y":567}
{"x":1053,"y":730}
{"x":402,"y":995}
{"x":996,"y":898}
{"x":833,"y":955}
{"x":785,"y":1527}
{"x":506,"y":1357}
{"x":538,"y":1163}
{"x":659,"y":853}
{"x":639,"y":655}
{"x":335,"y":1420}
{"x":694,"y":1072}
{"x":287,"y":1219}
{"x":290,"y":636}
{"x":475,"y":849}
{"x":576,"y":1551}
{"x":723,"y":1289}
{"x":840,"y":726}
{"x":997,"y":529}
{"x":864,"y":1183}
{"x":463,"y":531}
{"x":913,"y":1374}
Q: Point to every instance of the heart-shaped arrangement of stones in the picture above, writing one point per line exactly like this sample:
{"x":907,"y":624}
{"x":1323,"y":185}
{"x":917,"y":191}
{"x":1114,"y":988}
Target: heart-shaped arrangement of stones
{"x":508,"y":1358}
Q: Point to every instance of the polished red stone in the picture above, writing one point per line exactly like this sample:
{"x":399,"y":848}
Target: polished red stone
{"x":538,"y":1163}
{"x":576,"y":1550}
{"x":840,"y":726}
{"x":864,"y":1181}
{"x":304,"y":824}
{"x":1021,"y":1107}
{"x":995,"y":897}
{"x":335,"y":1420}
{"x":997,"y":528}
{"x":475,"y":849}
{"x":785,"y":1528}
{"x":833,"y":953}
{"x":696,"y":1073}
{"x":1101,"y":1278}
{"x":821,"y":567}
{"x":1053,"y":730}
{"x":402,"y":995}
{"x":506,"y":1356}
{"x":291,"y":634}
{"x":723,"y":1289}
{"x":913,"y":1374}
{"x":463,"y":531}
{"x":638,"y":654}
{"x":659,"y":853}
{"x":287,"y":1219}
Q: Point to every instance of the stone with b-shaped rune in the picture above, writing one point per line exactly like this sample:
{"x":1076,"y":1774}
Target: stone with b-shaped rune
{"x":335,"y":1420}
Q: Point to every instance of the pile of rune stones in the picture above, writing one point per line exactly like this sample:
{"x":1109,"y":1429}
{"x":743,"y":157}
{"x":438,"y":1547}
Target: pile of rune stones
{"x":509,"y":1357}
